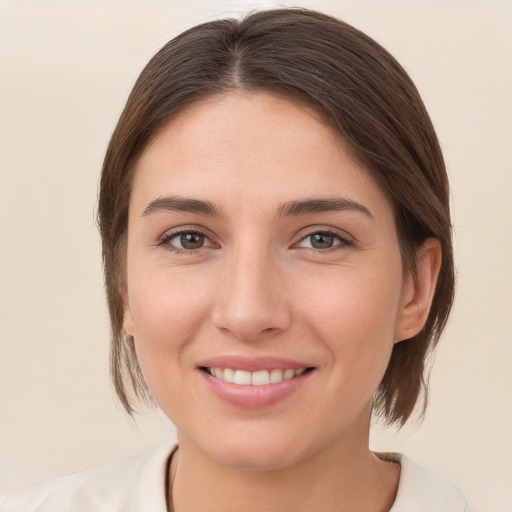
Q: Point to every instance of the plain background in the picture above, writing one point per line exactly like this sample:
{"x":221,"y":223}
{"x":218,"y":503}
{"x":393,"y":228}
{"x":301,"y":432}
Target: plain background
{"x":66,"y":68}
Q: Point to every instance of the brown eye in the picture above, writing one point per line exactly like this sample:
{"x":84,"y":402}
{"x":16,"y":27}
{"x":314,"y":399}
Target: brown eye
{"x":191,"y":240}
{"x":322,"y":240}
{"x":188,"y":241}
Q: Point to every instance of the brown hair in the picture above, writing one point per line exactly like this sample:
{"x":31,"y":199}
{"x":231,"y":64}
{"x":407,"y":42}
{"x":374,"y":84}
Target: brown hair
{"x":365,"y":96}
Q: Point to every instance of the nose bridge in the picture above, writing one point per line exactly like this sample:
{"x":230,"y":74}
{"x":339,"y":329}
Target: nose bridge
{"x":251,"y":302}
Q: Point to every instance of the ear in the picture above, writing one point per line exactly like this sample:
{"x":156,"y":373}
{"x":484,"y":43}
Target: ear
{"x":418,"y":291}
{"x":127,"y":317}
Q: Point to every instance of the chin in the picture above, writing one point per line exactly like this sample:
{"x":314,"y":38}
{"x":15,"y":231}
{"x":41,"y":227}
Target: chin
{"x":257,"y":455}
{"x":255,"y":452}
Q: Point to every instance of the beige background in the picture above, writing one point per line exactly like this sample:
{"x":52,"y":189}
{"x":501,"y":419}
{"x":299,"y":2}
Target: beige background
{"x":66,"y":68}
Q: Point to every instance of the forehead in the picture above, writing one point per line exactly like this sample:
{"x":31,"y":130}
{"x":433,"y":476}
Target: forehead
{"x":248,"y":146}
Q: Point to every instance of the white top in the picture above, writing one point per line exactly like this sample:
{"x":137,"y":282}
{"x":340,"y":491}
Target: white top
{"x":138,"y":484}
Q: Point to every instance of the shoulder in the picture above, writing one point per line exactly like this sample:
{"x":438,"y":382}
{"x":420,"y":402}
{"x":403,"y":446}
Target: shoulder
{"x":133,"y":484}
{"x":422,"y":490}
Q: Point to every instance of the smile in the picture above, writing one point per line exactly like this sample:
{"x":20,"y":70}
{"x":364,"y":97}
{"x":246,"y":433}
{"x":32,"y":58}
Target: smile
{"x":247,"y":385}
{"x":257,"y":378}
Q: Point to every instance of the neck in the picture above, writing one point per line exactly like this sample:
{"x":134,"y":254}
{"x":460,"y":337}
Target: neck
{"x":342,"y":478}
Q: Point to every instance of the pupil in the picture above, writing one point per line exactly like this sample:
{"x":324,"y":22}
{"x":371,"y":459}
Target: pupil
{"x":192,"y":240}
{"x":322,"y":241}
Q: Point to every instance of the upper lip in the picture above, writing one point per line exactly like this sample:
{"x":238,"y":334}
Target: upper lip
{"x":252,"y":364}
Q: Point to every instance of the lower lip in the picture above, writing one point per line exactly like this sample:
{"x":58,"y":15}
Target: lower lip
{"x":254,"y":397}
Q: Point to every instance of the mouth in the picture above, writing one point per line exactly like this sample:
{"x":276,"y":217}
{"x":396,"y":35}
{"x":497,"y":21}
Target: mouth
{"x":254,"y":378}
{"x":254,"y":382}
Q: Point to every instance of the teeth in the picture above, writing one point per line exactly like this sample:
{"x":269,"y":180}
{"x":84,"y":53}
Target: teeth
{"x":242,"y":377}
{"x":259,"y":378}
{"x":276,"y":376}
{"x":289,"y":374}
{"x":229,"y":375}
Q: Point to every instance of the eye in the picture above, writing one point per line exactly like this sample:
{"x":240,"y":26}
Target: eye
{"x":187,"y":241}
{"x":323,"y":240}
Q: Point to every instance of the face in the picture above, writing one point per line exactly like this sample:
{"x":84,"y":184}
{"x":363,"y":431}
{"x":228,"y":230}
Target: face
{"x":265,"y":287}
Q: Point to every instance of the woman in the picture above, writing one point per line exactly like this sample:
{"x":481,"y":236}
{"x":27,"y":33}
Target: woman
{"x":274,"y":212}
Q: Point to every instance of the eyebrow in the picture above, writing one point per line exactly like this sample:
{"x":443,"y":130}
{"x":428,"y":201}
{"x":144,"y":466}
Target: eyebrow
{"x":307,"y":206}
{"x":290,"y":208}
{"x":181,"y":204}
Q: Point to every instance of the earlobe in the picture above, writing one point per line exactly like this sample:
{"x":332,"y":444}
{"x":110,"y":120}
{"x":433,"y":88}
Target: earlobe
{"x":419,"y":291}
{"x":127,"y":318}
{"x":128,"y":322}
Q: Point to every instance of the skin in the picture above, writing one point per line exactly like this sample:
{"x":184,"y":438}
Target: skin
{"x":260,"y":285}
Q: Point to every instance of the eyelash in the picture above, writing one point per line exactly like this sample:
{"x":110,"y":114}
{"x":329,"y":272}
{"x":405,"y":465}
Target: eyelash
{"x":166,"y":239}
{"x":340,"y":241}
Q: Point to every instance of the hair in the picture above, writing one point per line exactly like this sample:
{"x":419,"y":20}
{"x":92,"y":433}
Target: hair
{"x":363,"y":94}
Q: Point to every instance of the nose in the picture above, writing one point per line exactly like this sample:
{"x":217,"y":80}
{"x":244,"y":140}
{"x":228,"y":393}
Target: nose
{"x":251,"y":303}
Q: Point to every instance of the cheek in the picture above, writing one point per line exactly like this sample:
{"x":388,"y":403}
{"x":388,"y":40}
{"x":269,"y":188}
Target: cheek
{"x":167,"y":313}
{"x":353,"y":306}
{"x":354,"y":317}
